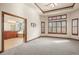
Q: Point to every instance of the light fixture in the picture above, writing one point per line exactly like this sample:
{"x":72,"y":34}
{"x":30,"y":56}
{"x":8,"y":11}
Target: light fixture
{"x":52,"y":4}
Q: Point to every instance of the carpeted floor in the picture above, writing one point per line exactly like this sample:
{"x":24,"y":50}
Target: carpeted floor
{"x":46,"y":46}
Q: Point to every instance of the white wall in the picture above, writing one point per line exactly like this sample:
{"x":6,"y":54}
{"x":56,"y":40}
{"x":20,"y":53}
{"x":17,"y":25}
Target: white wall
{"x":75,"y":14}
{"x":70,"y":16}
{"x":26,"y":11}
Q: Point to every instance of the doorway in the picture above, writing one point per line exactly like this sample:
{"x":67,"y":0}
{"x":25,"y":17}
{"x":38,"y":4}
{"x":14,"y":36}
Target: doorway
{"x":14,"y":30}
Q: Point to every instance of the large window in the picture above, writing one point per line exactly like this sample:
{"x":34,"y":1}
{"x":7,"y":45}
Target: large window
{"x":74,"y":26}
{"x":57,"y":24}
{"x":42,"y":27}
{"x":57,"y":27}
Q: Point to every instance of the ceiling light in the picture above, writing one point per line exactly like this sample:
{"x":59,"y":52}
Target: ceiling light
{"x":52,"y":5}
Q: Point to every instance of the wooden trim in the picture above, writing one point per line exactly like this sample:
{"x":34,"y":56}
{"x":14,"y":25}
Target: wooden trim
{"x":60,"y":8}
{"x":58,"y":16}
{"x":2,"y":20}
{"x":2,"y":25}
{"x":33,"y":39}
{"x":48,"y":26}
{"x":60,"y":37}
{"x":56,"y":27}
{"x":55,"y":37}
{"x":41,"y":27}
{"x":66,"y":26}
{"x":73,"y":4}
{"x":39,"y":7}
{"x":77,"y":26}
{"x":56,"y":33}
{"x":54,"y":9}
{"x":61,"y":27}
{"x":12,"y":15}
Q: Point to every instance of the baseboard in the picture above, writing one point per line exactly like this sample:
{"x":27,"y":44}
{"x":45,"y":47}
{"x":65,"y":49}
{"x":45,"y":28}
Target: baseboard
{"x":59,"y":37}
{"x":33,"y":39}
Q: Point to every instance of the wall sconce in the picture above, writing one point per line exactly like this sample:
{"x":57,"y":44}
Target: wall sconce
{"x":33,"y":24}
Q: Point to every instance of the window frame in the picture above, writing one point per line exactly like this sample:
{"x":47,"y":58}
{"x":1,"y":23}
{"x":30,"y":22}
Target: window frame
{"x":65,"y":27}
{"x":48,"y":27}
{"x":61,"y":17}
{"x":60,"y":27}
{"x":76,"y":26}
{"x":41,"y":27}
{"x":56,"y":27}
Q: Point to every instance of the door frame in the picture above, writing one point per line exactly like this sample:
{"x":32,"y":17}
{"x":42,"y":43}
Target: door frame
{"x":2,"y":26}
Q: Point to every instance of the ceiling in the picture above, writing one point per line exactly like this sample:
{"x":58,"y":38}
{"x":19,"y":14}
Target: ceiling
{"x":45,"y":7}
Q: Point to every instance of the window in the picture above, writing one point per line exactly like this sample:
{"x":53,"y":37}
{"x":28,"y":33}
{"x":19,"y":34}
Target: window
{"x":63,"y":16}
{"x":42,"y":27}
{"x":58,"y":17}
{"x":50,"y":27}
{"x":54,"y":17}
{"x":64,"y":27}
{"x":54,"y":29}
{"x":59,"y":27}
{"x":74,"y":26}
{"x":57,"y":24}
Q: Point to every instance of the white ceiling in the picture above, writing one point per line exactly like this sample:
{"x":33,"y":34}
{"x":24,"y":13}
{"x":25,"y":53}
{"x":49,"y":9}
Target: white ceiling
{"x":46,"y":7}
{"x":55,"y":12}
